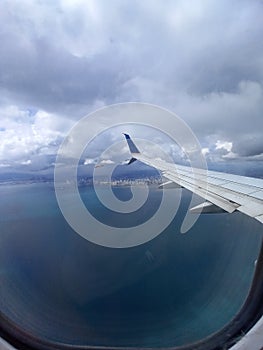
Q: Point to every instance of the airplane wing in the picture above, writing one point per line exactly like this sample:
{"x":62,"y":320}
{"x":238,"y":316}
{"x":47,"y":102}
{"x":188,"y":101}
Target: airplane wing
{"x":221,"y":191}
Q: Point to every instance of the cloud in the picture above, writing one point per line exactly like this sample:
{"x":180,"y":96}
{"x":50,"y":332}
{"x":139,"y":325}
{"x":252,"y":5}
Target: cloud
{"x":26,"y":162}
{"x":63,"y":59}
{"x":89,"y":161}
{"x":205,"y":151}
{"x":106,"y":161}
{"x":224,"y":145}
{"x":88,"y":51}
{"x":28,"y":135}
{"x":249,"y":146}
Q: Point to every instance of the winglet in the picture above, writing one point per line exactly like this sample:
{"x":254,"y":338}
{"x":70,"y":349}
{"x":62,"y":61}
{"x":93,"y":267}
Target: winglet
{"x":132,"y":147}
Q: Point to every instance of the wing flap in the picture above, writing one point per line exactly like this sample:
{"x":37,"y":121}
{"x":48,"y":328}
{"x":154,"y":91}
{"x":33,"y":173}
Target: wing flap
{"x":206,"y":207}
{"x":204,"y":192}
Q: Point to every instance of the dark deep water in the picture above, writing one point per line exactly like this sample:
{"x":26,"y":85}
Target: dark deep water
{"x":173,"y":290}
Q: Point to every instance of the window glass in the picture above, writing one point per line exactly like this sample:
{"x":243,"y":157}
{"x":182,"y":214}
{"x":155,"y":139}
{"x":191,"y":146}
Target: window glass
{"x":173,"y":290}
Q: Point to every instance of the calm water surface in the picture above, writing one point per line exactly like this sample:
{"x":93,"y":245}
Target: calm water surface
{"x":173,"y":290}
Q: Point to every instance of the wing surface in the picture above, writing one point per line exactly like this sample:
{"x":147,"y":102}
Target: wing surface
{"x":221,"y":191}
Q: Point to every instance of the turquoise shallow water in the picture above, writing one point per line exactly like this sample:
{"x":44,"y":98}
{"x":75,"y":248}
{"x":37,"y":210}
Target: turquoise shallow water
{"x":173,"y":290}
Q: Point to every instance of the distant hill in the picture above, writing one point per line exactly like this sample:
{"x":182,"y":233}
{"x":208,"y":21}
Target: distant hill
{"x":132,"y":171}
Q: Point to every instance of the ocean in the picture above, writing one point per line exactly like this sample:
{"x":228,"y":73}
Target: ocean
{"x":173,"y":290}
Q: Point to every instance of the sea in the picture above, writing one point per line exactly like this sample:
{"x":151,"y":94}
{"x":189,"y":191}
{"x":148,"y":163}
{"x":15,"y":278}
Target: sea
{"x":173,"y":290}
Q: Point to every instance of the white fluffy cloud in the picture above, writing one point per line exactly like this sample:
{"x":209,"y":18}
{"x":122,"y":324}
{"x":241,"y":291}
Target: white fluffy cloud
{"x":224,"y":145}
{"x":89,"y":161}
{"x":26,"y":133}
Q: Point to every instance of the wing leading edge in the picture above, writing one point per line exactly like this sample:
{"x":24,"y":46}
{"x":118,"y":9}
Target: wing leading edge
{"x":222,"y":192}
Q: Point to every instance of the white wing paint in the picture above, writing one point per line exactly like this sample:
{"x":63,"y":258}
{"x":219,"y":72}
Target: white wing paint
{"x":221,"y":191}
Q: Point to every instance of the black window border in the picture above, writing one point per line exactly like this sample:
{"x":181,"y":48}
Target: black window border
{"x":246,"y":318}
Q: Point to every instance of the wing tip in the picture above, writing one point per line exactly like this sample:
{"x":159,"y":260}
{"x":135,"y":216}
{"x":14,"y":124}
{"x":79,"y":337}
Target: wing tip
{"x":132,"y":147}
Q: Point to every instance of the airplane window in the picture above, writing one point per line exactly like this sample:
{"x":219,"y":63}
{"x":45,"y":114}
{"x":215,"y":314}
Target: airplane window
{"x":131,"y":162}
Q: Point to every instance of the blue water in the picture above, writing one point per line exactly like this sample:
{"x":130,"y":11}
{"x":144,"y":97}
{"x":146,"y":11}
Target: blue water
{"x":173,"y":290}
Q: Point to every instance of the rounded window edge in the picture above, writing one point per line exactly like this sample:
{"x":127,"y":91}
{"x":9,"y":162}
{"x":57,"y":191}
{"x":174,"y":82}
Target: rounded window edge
{"x":249,"y":314}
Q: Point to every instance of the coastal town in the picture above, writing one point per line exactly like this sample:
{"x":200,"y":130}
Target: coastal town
{"x":152,"y":180}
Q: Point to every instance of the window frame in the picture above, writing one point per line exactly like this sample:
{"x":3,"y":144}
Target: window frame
{"x":246,"y":318}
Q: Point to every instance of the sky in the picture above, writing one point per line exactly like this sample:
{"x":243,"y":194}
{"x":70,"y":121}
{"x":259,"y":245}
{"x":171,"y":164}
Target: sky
{"x":63,"y":59}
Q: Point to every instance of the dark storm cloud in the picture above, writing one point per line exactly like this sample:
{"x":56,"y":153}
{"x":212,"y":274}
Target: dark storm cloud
{"x":249,"y":146}
{"x":199,"y":48}
{"x":48,"y":77}
{"x":202,"y":59}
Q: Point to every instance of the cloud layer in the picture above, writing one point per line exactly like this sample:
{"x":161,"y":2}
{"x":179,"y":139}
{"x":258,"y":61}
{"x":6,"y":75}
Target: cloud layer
{"x":62,"y":59}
